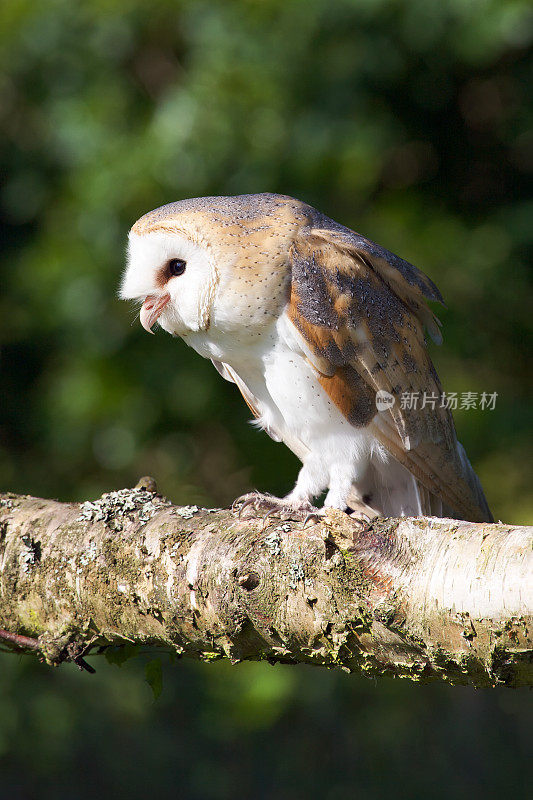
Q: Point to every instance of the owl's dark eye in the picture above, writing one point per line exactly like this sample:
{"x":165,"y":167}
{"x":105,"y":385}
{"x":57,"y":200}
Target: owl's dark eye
{"x":176,"y":266}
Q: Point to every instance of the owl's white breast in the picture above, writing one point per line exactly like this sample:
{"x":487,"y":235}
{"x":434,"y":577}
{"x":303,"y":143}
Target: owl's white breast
{"x":289,"y":397}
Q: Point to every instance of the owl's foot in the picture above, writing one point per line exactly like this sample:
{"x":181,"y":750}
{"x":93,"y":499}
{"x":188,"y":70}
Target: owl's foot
{"x":266,"y":505}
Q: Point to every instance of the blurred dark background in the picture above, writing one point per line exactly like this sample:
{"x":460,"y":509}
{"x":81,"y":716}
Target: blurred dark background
{"x":408,"y":120}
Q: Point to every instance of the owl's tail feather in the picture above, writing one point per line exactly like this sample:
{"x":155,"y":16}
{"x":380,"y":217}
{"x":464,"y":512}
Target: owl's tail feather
{"x":474,"y":483}
{"x":388,"y":489}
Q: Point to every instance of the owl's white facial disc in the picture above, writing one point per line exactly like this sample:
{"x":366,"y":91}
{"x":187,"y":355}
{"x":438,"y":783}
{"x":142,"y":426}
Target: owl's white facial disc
{"x":148,"y":275}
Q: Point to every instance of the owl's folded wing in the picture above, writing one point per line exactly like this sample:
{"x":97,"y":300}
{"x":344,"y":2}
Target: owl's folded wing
{"x":360,"y":312}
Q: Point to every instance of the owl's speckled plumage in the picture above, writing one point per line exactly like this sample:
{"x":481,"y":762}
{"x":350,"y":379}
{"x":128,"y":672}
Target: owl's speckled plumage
{"x":310,"y":320}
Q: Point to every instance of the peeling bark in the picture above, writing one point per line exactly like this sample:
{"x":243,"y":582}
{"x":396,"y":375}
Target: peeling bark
{"x":421,"y":598}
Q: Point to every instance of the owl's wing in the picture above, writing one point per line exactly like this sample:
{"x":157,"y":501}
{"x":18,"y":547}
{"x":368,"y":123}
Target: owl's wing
{"x":229,"y":374}
{"x":359,"y":313}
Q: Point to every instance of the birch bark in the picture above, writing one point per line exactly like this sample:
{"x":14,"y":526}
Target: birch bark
{"x":425,"y":599}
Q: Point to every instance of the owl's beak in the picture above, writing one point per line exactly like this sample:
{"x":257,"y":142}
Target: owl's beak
{"x":151,"y":310}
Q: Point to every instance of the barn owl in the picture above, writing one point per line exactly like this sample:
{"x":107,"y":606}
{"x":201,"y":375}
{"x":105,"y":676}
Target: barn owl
{"x":322,"y":331}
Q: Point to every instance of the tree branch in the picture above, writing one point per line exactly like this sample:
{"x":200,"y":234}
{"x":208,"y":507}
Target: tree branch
{"x":419,"y":598}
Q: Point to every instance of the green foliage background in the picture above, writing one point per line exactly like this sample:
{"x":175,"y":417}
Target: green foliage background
{"x":407,"y":120}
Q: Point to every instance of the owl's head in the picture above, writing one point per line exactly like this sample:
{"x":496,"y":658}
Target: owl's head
{"x":211,"y":260}
{"x":172,"y":270}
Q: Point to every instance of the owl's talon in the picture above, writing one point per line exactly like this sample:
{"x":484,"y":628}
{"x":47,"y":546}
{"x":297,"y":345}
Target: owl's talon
{"x":245,"y":501}
{"x":312,"y":515}
{"x":242,"y":502}
{"x":246,"y":504}
{"x":268,"y":514}
{"x":240,"y":508}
